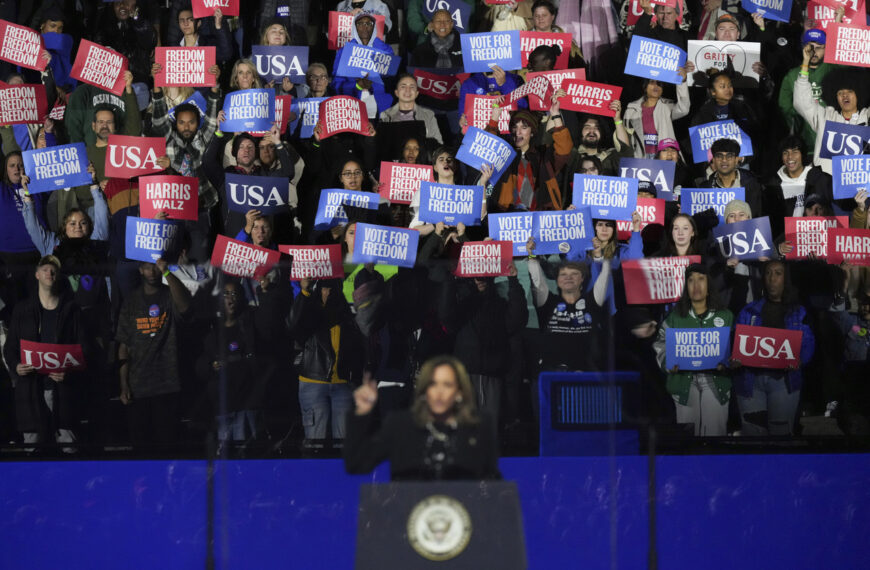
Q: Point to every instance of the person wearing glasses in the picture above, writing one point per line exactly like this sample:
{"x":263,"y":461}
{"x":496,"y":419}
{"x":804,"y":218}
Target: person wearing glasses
{"x":725,"y":174}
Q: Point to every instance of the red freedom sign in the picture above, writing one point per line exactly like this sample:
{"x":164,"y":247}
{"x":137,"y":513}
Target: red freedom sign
{"x":282,"y":109}
{"x":22,"y":104}
{"x":241,"y":259}
{"x":809,"y":236}
{"x":848,"y":45}
{"x":99,"y":66}
{"x":343,"y":114}
{"x":314,"y":261}
{"x":651,"y":210}
{"x":47,"y":358}
{"x":127,"y":157}
{"x":850,"y":245}
{"x":442,"y":87}
{"x":399,"y":182}
{"x":206,"y":8}
{"x":556,"y":78}
{"x":530,"y":40}
{"x":588,"y":97}
{"x":21,"y":45}
{"x":655,"y":280}
{"x":178,"y":196}
{"x":478,"y":111}
{"x":185,"y":66}
{"x":341,"y":26}
{"x":484,"y":259}
{"x":764,"y":347}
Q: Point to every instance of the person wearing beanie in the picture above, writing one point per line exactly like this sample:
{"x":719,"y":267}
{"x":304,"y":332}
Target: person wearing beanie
{"x":741,"y":281}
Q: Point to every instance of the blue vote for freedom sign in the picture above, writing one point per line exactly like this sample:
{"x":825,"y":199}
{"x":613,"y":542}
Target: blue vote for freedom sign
{"x":515,"y":227}
{"x":307,"y":113}
{"x":330,"y":209}
{"x":270,"y":195}
{"x":659,"y":172}
{"x":652,"y":59}
{"x":839,"y":139}
{"x":481,"y":52}
{"x":249,"y":110}
{"x":563,"y":231}
{"x":697,"y":349}
{"x":779,"y":10}
{"x":851,"y":174}
{"x":450,"y":204}
{"x":746,"y":240}
{"x":56,"y":167}
{"x":149,"y":240}
{"x":694,"y":200}
{"x":608,"y":197}
{"x":384,"y":244}
{"x":459,"y":11}
{"x":362,"y":61}
{"x":480,"y":147}
{"x":274,"y":63}
{"x":703,"y":137}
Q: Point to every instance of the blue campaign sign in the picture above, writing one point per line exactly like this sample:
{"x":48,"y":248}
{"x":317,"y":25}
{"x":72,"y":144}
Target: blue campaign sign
{"x":608,"y":197}
{"x":749,"y":239}
{"x":56,"y":167}
{"x":330,"y":209}
{"x":274,"y":63}
{"x":839,"y":139}
{"x":363,"y":61}
{"x":270,"y":195}
{"x":197,"y":100}
{"x":697,"y":349}
{"x":480,"y":52}
{"x":563,"y":231}
{"x":779,"y":10}
{"x":383,"y":244}
{"x":308,"y":112}
{"x":149,"y":240}
{"x":249,"y":110}
{"x":480,"y":147}
{"x":659,"y":172}
{"x":460,"y":11}
{"x":703,"y":137}
{"x":652,"y":59}
{"x":694,"y":200}
{"x":515,"y":227}
{"x":851,"y":174}
{"x":450,"y":204}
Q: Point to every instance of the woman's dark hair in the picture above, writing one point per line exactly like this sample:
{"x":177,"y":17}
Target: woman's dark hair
{"x":422,"y":155}
{"x":789,"y":293}
{"x":546,"y":53}
{"x":684,"y":304}
{"x":464,"y":410}
{"x":61,"y":231}
{"x":6,"y":164}
{"x":405,"y":75}
{"x":366,"y":185}
{"x":714,"y":73}
{"x":438,"y":152}
{"x":844,"y":78}
{"x":545,"y":4}
{"x":593,"y":159}
{"x":609,"y":249}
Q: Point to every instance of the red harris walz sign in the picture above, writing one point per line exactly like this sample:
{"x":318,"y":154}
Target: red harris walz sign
{"x":47,"y":358}
{"x":764,"y":347}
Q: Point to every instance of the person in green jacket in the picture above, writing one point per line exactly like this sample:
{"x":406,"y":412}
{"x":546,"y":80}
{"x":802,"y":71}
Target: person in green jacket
{"x":700,"y":397}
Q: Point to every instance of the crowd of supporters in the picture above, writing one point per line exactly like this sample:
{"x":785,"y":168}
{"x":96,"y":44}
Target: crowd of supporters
{"x":178,"y":349}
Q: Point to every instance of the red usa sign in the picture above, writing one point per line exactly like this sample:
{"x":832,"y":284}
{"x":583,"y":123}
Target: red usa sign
{"x":764,"y":347}
{"x":128,"y":157}
{"x":47,"y":358}
{"x":442,"y":87}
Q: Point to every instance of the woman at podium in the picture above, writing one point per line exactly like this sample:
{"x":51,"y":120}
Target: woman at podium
{"x":442,"y":436}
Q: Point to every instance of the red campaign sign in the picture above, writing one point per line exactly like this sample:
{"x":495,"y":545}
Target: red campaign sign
{"x":241,"y":259}
{"x":21,"y":45}
{"x":588,"y":97}
{"x":539,"y":86}
{"x":443,"y":87}
{"x":478,"y":111}
{"x":206,"y":8}
{"x":99,"y":66}
{"x":852,"y":7}
{"x":128,"y":157}
{"x":178,"y":196}
{"x":282,"y":109}
{"x":810,"y":235}
{"x":340,"y":26}
{"x":655,"y":280}
{"x":851,"y":245}
{"x":22,"y":104}
{"x":57,"y":112}
{"x":47,"y":358}
{"x":498,"y":2}
{"x":848,"y":45}
{"x":651,"y":210}
{"x":556,"y":78}
{"x":764,"y":347}
{"x":822,"y":16}
{"x":484,"y":259}
{"x":530,"y":40}
{"x":635,"y":11}
{"x":343,"y":114}
{"x":185,"y":66}
{"x":399,"y":182}
{"x":314,"y":261}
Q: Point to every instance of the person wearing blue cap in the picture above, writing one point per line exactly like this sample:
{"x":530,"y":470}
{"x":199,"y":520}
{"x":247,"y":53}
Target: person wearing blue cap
{"x":817,"y":71}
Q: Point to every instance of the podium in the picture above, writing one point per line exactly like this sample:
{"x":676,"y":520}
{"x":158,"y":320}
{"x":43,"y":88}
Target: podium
{"x":440,"y":524}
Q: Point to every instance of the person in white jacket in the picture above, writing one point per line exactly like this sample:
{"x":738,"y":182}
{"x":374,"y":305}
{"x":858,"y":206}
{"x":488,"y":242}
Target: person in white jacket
{"x":661,"y":112}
